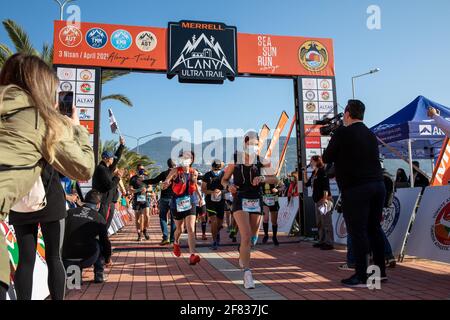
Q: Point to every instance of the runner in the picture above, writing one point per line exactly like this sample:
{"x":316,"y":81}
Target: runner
{"x":271,"y":207}
{"x":215,"y":201}
{"x":201,"y":213}
{"x":247,"y":205}
{"x":184,"y":185}
{"x":141,"y":204}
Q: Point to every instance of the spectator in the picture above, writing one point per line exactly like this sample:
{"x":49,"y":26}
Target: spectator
{"x":354,"y":151}
{"x":442,"y":123}
{"x":401,"y":179}
{"x":106,"y":179}
{"x":33,"y":132}
{"x":419,"y":179}
{"x":322,"y":198}
{"x":86,"y":241}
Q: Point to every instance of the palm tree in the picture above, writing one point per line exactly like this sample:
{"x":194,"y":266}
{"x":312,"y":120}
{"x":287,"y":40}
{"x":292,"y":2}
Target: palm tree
{"x":22,"y":43}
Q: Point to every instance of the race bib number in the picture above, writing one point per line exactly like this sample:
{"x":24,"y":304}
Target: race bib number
{"x":216,"y":198}
{"x":269,"y":200}
{"x":184,"y":204}
{"x":251,"y":205}
{"x":141,"y":198}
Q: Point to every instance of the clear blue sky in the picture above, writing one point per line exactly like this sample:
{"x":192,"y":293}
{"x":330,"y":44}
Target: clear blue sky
{"x":412,"y":49}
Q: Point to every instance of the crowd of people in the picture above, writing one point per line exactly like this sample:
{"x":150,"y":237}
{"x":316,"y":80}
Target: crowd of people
{"x":44,"y":154}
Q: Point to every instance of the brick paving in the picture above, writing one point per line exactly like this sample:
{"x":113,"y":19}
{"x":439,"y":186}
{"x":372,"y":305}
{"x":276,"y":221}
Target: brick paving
{"x":293,"y":271}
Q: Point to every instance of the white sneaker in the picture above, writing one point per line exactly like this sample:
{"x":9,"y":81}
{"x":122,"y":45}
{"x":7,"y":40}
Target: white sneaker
{"x":249,"y":283}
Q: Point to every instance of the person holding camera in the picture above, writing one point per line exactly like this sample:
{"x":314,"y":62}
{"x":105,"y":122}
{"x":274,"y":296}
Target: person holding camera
{"x":320,"y":184}
{"x":353,"y":149}
{"x":35,"y":141}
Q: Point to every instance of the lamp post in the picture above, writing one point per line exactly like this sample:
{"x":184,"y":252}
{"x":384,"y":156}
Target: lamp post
{"x":62,"y":4}
{"x":362,"y":75}
{"x":138,"y":139}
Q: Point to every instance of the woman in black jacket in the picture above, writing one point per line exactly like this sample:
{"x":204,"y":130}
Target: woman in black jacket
{"x":322,"y":198}
{"x":51,"y":220}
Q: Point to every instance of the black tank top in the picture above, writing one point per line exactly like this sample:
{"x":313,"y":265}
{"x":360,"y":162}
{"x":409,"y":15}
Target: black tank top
{"x":243,"y":176}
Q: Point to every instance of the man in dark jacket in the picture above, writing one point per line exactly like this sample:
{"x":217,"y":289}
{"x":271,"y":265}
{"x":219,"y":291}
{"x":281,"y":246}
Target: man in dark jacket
{"x":164,"y":204}
{"x":106,"y":179}
{"x":86,"y":237}
{"x":354,"y":151}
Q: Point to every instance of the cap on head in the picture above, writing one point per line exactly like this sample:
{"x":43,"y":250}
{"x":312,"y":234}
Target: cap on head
{"x":108,"y":155}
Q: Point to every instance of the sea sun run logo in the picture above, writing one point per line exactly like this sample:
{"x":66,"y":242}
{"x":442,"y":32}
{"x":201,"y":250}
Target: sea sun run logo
{"x":203,"y":57}
{"x":390,"y":217}
{"x":313,"y":56}
{"x":440,"y":230}
{"x":96,"y":38}
{"x":121,"y":39}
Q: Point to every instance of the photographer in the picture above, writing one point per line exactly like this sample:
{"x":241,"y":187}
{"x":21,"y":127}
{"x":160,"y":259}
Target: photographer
{"x":354,"y":151}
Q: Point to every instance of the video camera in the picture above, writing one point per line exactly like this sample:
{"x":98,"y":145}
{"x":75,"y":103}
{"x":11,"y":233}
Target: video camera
{"x":330,"y":125}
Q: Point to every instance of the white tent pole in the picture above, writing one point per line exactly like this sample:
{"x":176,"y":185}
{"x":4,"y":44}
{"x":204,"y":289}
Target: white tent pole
{"x":410,"y":162}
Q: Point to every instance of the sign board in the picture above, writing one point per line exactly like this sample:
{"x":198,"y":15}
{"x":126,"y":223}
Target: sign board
{"x":286,"y":214}
{"x":203,"y":52}
{"x":430,"y":234}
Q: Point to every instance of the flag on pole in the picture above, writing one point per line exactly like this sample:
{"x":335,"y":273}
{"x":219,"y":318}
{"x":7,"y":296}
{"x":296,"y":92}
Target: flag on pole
{"x":112,"y":122}
{"x":286,"y":143}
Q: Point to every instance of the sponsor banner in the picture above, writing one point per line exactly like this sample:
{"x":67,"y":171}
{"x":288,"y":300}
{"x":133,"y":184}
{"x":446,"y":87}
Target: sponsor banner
{"x":85,"y":75}
{"x":310,"y":106}
{"x":109,"y":45}
{"x":86,"y":88}
{"x":86,"y":114}
{"x":312,"y":152}
{"x":395,"y":221}
{"x":312,"y":130}
{"x":67,"y":86}
{"x":311,"y":118}
{"x":40,"y":288}
{"x":325,"y":95}
{"x":284,"y":55}
{"x":430,"y":234}
{"x":83,"y":100}
{"x":67,"y":74}
{"x":286,"y":214}
{"x":312,"y":142}
{"x":89,"y":125}
{"x":202,"y":51}
{"x":326,"y":107}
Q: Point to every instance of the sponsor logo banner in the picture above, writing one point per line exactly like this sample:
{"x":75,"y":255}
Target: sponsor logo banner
{"x":83,"y":100}
{"x":108,"y":45}
{"x":202,"y":51}
{"x":284,"y":55}
{"x":89,"y":125}
{"x":86,"y":114}
{"x":86,"y":88}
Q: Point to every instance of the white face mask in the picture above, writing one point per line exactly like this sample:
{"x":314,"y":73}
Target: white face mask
{"x":185,"y":162}
{"x":252,"y":150}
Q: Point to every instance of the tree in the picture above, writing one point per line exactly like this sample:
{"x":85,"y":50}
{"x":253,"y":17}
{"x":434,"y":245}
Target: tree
{"x":22,"y":43}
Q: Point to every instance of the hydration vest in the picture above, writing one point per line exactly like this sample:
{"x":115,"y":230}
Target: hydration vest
{"x":179,"y":184}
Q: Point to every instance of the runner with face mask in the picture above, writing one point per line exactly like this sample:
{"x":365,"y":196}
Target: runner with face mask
{"x":215,"y":200}
{"x":248,"y":173}
{"x":141,"y":204}
{"x":183,"y":179}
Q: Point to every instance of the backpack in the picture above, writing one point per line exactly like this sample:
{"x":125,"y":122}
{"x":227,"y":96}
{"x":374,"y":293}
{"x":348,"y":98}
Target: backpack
{"x":179,"y":184}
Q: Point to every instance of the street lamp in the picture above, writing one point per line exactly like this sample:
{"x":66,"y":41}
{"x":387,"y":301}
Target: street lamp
{"x":138,"y":139}
{"x":62,"y":4}
{"x":362,"y":75}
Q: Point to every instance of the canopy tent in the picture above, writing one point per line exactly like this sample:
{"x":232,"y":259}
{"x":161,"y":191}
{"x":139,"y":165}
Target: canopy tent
{"x":411,"y":133}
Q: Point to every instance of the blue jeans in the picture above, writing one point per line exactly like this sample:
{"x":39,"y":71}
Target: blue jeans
{"x":164,"y":208}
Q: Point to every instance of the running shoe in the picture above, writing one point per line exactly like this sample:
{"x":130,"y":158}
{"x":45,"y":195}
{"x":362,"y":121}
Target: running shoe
{"x":139,"y":238}
{"x":214,"y":246}
{"x":327,"y":247}
{"x":204,"y":237}
{"x":391,"y":263}
{"x":194,"y":259}
{"x":164,"y":242}
{"x":176,"y":250}
{"x":265,"y":239}
{"x":218,"y":238}
{"x":147,"y":237}
{"x":249,"y":283}
{"x":254,"y":240}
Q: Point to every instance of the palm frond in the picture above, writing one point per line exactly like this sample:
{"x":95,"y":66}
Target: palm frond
{"x":47,"y":54}
{"x":19,"y":37}
{"x":108,"y":75}
{"x":119,"y":97}
{"x":5,"y":53}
